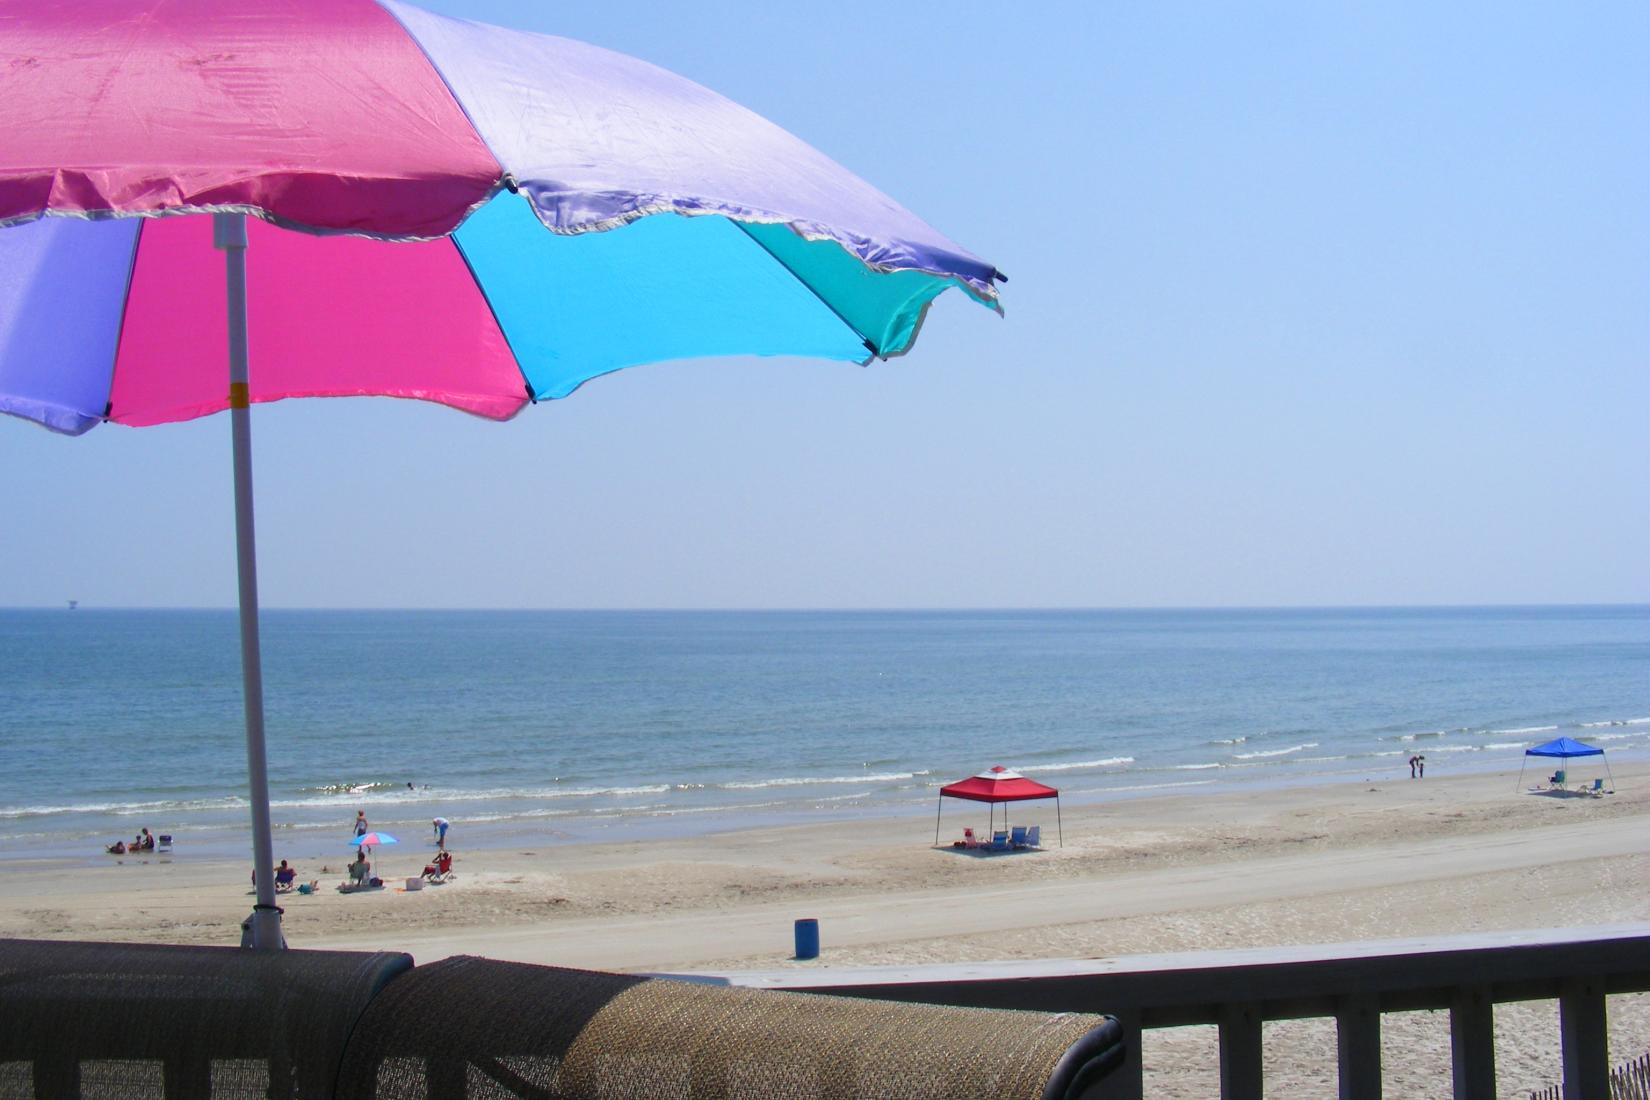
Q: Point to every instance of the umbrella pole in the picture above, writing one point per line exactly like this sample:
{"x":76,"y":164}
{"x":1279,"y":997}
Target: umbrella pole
{"x":229,"y":234}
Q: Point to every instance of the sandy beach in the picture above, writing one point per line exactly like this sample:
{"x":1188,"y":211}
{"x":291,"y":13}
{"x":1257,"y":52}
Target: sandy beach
{"x":1328,"y":863}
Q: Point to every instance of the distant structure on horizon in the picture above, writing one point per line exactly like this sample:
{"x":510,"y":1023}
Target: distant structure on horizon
{"x":73,"y":604}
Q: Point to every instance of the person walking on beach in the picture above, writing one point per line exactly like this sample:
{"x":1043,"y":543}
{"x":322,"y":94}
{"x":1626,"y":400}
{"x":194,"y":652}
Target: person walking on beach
{"x":439,"y":824}
{"x":360,"y":823}
{"x":1413,"y":761}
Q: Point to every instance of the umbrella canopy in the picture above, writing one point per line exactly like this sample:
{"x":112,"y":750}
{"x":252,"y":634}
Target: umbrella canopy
{"x":1564,"y":748}
{"x":454,"y":183}
{"x":372,"y":840}
{"x":501,"y":153}
{"x":998,"y":785}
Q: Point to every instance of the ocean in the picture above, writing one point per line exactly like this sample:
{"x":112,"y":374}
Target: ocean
{"x":550,"y":727}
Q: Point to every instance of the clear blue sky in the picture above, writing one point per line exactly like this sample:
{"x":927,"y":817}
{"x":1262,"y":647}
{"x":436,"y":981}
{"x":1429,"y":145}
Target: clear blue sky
{"x":1309,"y":304}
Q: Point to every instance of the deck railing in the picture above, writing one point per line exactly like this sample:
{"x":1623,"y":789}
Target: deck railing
{"x":1238,"y":991}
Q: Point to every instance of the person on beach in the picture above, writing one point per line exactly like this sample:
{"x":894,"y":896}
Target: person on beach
{"x":1413,"y":761}
{"x":1421,"y":767}
{"x":440,"y":826}
{"x":146,"y":841}
{"x":441,"y":868}
{"x":360,"y":822}
{"x":118,"y":848}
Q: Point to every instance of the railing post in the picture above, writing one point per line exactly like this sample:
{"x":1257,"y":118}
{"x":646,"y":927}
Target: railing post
{"x":1472,"y":1043}
{"x":1585,"y":1040}
{"x":1358,"y":1047}
{"x":1241,"y":1073}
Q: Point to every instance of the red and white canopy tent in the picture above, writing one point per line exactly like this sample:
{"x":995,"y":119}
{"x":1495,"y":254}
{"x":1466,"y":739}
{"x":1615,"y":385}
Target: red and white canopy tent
{"x":998,"y":785}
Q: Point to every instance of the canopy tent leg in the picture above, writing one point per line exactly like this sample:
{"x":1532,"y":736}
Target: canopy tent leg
{"x":1521,"y":768}
{"x":1058,"y":822}
{"x":229,"y":234}
{"x":937,"y":811}
{"x":1606,"y":760}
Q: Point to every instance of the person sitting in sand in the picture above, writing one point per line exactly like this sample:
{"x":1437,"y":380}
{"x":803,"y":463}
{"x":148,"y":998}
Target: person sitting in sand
{"x":118,"y":848}
{"x":359,"y":871}
{"x":146,"y":841}
{"x":440,"y":869}
{"x":285,"y":876}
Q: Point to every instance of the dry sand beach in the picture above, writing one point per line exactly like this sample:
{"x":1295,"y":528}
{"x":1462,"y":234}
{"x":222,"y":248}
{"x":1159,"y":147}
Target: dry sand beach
{"x":1387,"y":859}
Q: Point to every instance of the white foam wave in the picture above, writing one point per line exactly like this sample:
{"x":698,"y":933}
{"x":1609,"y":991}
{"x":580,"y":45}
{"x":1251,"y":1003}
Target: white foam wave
{"x":808,"y":781}
{"x":1528,"y":729}
{"x":125,"y":809}
{"x":1165,"y":786}
{"x":1259,"y":754}
{"x":1504,"y":745}
{"x":1078,"y":765}
{"x":1229,"y":741}
{"x":1195,"y":767}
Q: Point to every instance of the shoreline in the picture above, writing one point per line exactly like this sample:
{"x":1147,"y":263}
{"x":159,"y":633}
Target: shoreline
{"x":499,"y":830}
{"x":1312,"y":863}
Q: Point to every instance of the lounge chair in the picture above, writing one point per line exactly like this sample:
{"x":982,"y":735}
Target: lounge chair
{"x":999,"y":841}
{"x":1597,"y":789}
{"x":165,"y":840}
{"x":1556,"y":780}
{"x":1034,"y":837}
{"x":1017,"y":837}
{"x":438,"y":872}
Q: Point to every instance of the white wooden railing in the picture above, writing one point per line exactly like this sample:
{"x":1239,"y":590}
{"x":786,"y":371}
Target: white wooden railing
{"x":1353,"y":983}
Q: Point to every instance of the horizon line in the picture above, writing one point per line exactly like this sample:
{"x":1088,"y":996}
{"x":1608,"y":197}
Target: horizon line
{"x":81,"y":605}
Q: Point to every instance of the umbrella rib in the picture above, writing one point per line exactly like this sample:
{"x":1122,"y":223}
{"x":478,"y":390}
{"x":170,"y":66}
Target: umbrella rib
{"x":876,"y":352}
{"x":504,"y":333}
{"x":120,"y":331}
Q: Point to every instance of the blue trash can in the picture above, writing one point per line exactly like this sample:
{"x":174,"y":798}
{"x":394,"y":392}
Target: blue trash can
{"x":807,"y":938}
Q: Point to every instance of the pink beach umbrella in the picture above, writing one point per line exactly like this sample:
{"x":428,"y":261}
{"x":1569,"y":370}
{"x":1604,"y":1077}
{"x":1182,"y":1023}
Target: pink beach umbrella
{"x":485,"y":218}
{"x":369,"y":841}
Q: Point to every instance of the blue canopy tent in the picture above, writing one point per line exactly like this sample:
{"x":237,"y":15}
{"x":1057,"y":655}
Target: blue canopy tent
{"x":1563,"y":748}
